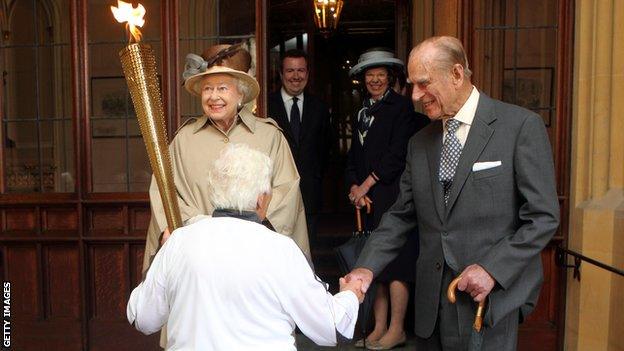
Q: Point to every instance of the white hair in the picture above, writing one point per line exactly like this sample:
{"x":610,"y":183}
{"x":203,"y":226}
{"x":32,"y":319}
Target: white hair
{"x":238,"y":177}
{"x":448,"y":52}
{"x":243,"y":88}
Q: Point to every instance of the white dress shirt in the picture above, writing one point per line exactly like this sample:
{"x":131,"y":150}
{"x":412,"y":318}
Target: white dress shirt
{"x":465,"y":115}
{"x":231,"y":284}
{"x":288,"y":102}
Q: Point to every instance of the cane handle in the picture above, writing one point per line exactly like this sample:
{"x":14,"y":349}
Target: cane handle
{"x":450,"y":294}
{"x":478,"y":322}
{"x":358,"y":216}
{"x":358,"y":219}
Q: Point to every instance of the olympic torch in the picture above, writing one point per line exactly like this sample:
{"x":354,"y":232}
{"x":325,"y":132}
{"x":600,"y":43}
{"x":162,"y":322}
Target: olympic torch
{"x":139,"y":65}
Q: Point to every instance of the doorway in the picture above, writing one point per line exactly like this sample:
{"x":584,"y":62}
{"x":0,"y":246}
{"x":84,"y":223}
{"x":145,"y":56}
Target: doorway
{"x":364,"y":24}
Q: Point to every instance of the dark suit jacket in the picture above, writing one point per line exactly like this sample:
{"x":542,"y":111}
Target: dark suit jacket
{"x":500,"y":218}
{"x":383,"y":151}
{"x":311,"y":150}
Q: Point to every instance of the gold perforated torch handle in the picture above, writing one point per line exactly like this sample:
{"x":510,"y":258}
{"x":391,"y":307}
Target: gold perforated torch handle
{"x":139,"y":65}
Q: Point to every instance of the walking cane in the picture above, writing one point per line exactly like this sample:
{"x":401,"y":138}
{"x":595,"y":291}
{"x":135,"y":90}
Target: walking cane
{"x":358,"y":216}
{"x":476,"y":337}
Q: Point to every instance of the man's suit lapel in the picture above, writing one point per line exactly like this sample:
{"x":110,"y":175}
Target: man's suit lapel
{"x":478,"y":137}
{"x":434,"y":149}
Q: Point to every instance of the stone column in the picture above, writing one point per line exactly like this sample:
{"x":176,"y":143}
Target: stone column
{"x":595,"y":305}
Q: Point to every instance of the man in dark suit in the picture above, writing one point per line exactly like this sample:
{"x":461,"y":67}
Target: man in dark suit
{"x":479,"y":183}
{"x":305,"y":121}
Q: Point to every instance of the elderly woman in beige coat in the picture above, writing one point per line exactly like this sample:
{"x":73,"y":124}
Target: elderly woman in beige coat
{"x":219,"y":79}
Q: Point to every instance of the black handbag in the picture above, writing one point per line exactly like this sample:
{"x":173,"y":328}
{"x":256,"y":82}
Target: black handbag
{"x":347,"y":254}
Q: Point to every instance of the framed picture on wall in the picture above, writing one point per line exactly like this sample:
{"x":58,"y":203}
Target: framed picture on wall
{"x":532,"y":88}
{"x":111,"y":107}
{"x":112,"y":112}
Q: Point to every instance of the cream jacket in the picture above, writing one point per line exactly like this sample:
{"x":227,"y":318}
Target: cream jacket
{"x":197,"y":144}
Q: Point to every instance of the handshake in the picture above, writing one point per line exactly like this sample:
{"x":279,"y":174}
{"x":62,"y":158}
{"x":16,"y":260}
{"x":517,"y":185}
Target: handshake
{"x":358,"y":281}
{"x":475,"y":280}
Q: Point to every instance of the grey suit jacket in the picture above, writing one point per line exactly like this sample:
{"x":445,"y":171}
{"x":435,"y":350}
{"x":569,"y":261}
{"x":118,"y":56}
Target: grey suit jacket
{"x":500,"y":218}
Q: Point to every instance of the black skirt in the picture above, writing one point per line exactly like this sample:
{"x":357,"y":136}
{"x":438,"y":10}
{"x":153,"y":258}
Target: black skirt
{"x":403,"y":267}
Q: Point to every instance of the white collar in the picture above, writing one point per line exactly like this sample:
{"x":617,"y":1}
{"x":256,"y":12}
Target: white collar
{"x":287,"y":97}
{"x":467,"y":112}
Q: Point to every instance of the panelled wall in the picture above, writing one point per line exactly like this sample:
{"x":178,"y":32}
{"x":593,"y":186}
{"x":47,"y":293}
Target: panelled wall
{"x":74,"y":173}
{"x":71,"y":278}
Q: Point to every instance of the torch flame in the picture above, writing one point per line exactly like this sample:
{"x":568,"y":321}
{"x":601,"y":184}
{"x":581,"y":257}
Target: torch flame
{"x":124,"y":12}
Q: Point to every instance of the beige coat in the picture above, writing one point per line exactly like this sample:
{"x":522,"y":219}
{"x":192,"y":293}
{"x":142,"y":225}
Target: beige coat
{"x":197,"y":144}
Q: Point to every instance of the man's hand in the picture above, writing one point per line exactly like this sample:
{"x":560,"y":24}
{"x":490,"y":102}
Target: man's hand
{"x":476,"y":281}
{"x":353,"y":285}
{"x":166,"y":234}
{"x":363,"y":274}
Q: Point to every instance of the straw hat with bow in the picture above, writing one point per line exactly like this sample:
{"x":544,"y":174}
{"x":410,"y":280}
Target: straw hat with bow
{"x":234,"y":60}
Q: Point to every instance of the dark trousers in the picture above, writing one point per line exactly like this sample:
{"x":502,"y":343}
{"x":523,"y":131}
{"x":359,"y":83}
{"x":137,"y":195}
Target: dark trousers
{"x":454,"y":326}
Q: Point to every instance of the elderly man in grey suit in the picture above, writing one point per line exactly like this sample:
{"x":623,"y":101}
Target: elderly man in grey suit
{"x":479,"y":184}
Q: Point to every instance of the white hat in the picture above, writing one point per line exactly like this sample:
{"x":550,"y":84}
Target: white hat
{"x":375,"y":58}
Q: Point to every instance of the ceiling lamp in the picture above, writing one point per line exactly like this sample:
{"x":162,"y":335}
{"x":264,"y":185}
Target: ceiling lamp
{"x":327,"y":14}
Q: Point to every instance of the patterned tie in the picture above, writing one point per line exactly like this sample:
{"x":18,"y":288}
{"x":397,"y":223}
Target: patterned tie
{"x":451,"y":150}
{"x":295,"y":119}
